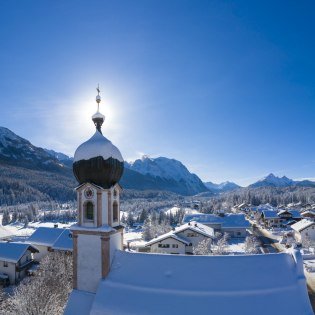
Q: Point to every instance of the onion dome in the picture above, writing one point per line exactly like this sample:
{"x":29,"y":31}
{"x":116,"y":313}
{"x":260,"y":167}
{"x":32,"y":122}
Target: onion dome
{"x":97,"y":160}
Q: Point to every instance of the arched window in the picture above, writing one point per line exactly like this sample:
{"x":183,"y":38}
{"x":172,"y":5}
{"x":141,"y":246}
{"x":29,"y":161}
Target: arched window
{"x":115,"y":211}
{"x":89,"y":211}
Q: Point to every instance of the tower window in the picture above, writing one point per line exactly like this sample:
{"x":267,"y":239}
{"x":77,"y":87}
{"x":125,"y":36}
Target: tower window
{"x":89,"y":211}
{"x":115,"y":211}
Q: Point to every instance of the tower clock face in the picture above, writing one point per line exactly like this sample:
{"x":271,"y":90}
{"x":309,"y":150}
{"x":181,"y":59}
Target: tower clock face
{"x":88,"y":193}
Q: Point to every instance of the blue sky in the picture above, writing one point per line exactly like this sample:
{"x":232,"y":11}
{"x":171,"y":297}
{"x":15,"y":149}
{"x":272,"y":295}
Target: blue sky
{"x":226,"y":87}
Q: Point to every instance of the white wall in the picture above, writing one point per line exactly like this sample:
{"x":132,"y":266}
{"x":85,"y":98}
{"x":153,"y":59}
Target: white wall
{"x":195,"y":240}
{"x":10,"y":271}
{"x":89,"y":264}
{"x":180,"y":250}
{"x":233,"y":232}
{"x":115,"y":243}
{"x":43,"y":251}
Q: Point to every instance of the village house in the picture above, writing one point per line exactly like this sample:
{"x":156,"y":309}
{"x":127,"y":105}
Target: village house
{"x":310,"y":214}
{"x":182,"y":239}
{"x":15,"y":259}
{"x":279,"y":219}
{"x":304,"y":229}
{"x":44,"y":239}
{"x":235,"y":224}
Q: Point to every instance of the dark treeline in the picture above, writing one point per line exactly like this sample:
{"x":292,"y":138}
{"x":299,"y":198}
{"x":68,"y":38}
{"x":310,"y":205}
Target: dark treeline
{"x":19,"y":185}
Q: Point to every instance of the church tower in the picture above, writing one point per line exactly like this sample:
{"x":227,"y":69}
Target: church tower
{"x":97,"y":166}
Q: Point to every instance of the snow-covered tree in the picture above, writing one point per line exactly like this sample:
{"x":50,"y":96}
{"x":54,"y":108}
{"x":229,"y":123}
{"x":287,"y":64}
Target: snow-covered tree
{"x":222,"y":243}
{"x":203,"y":247}
{"x":47,"y":292}
{"x":6,"y":217}
{"x":251,"y":245}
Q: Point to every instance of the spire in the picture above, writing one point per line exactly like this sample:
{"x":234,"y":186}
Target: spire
{"x":98,"y":118}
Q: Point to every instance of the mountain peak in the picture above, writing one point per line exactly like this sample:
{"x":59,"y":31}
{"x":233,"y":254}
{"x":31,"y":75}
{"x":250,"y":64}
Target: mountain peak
{"x":170,"y":171}
{"x":272,"y":180}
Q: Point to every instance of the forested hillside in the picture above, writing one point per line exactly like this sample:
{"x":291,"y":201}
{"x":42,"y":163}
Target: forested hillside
{"x":21,"y":185}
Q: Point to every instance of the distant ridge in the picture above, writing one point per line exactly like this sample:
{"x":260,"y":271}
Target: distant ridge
{"x":223,"y":187}
{"x":274,"y":181}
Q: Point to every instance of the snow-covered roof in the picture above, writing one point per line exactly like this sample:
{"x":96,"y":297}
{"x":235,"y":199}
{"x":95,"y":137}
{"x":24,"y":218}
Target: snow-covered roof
{"x":193,"y":226}
{"x":295,"y":213}
{"x":230,"y":220}
{"x":79,"y":302}
{"x":45,"y":236}
{"x":161,"y":284}
{"x":64,"y":241}
{"x":12,"y":252}
{"x":308,"y":213}
{"x":197,"y":227}
{"x":96,"y":146}
{"x":301,"y":225}
{"x":166,"y":236}
{"x":270,"y":214}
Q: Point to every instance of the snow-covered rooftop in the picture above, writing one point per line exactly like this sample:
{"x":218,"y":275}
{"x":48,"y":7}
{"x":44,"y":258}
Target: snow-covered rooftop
{"x":197,"y":227}
{"x":96,"y":146}
{"x":79,"y":302}
{"x":170,"y":234}
{"x":194,"y":226}
{"x":12,"y":252}
{"x":157,"y":284}
{"x":295,"y":213}
{"x":45,"y":236}
{"x":270,"y":214}
{"x":301,"y":225}
{"x":64,"y":241}
{"x":230,"y":220}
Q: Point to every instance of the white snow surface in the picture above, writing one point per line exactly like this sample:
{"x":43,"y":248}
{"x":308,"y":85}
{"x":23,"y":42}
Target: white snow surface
{"x":79,"y":303}
{"x":96,"y":146}
{"x":156,"y":284}
{"x":45,"y":236}
{"x":64,"y":241}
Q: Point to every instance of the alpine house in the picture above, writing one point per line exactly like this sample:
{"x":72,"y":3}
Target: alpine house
{"x":108,"y":280}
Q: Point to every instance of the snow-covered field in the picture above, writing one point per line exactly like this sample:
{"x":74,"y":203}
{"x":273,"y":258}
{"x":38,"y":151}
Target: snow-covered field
{"x":17,"y":231}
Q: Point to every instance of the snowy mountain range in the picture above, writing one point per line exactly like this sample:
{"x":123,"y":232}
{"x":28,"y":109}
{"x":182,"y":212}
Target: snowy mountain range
{"x":167,"y":174}
{"x":25,"y":163}
{"x":274,"y":181}
{"x":17,"y":151}
{"x":223,"y":187}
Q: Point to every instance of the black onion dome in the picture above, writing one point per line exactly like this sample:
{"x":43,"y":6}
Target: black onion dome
{"x":98,"y":161}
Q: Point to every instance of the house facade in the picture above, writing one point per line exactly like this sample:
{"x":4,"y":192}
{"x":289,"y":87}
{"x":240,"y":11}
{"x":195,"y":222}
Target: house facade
{"x":304,"y":229}
{"x":15,"y":260}
{"x":182,"y":239}
{"x":279,"y":219}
